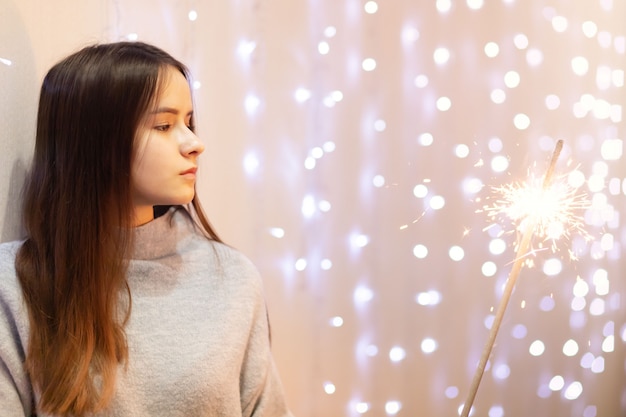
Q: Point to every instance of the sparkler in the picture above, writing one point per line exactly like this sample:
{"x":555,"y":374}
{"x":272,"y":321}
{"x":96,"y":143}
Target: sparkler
{"x":541,"y":209}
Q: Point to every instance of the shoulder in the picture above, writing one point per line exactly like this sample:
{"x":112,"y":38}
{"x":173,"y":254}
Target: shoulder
{"x":13,"y":315}
{"x":8,"y":279}
{"x":7,"y":253}
{"x":10,"y":290}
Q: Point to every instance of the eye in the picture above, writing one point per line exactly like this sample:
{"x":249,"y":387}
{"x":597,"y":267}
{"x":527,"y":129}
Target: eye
{"x":163,"y":128}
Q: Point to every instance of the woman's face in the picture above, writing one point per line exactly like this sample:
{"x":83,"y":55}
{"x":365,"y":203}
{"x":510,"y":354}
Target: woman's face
{"x":166,"y":150}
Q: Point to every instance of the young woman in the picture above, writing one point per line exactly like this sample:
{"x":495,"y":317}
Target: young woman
{"x":121,"y":300}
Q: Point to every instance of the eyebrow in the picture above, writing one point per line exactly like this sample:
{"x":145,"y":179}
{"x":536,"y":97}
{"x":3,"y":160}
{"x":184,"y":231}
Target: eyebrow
{"x":170,"y":110}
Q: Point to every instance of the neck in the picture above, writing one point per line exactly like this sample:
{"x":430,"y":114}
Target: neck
{"x":143,"y":215}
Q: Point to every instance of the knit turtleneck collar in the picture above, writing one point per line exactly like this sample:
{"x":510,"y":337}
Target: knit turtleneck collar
{"x":160,"y":237}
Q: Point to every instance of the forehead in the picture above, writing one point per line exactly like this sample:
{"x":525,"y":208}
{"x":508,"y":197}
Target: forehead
{"x":172,"y":84}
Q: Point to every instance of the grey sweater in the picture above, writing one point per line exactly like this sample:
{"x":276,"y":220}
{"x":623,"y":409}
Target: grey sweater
{"x":198,"y":333}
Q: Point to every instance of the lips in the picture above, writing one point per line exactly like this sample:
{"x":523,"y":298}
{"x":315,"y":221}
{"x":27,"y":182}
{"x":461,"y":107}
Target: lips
{"x":189,"y":171}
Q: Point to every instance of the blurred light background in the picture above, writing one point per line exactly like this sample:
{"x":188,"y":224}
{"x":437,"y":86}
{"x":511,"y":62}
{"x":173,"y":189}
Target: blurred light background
{"x":351,"y":148}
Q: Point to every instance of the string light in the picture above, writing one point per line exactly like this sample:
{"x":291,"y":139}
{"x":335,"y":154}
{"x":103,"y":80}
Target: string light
{"x":394,"y":133}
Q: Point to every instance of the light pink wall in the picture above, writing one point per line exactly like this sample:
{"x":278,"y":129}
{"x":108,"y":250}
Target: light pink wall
{"x":304,"y":294}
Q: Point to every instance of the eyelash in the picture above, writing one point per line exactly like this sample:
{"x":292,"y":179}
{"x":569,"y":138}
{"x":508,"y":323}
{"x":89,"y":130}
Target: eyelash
{"x":166,"y":127}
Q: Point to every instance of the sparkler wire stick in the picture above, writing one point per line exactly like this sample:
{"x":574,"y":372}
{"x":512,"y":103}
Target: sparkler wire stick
{"x":522,"y":249}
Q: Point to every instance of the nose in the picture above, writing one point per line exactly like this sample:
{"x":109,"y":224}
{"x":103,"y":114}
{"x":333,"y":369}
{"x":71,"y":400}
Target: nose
{"x":190,"y":144}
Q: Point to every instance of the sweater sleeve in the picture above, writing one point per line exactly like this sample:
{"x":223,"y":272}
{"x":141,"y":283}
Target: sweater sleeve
{"x":262,"y":392}
{"x":15,"y":392}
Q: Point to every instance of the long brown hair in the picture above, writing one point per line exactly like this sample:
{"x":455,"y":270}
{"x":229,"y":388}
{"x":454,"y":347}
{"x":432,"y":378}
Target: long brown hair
{"x":77,"y":213}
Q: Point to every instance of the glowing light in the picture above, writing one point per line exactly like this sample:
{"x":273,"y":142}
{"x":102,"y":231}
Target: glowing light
{"x":612,"y":149}
{"x":251,"y":104}
{"x":597,"y":307}
{"x":580,"y":288}
{"x":429,"y":345}
{"x":608,"y":344}
{"x":559,"y":23}
{"x":324,"y":206}
{"x":361,"y":407}
{"x":393,"y":407}
{"x":336,"y":321}
{"x":556,"y":383}
{"x":441,"y":56}
{"x":6,"y":62}
{"x":420,"y":251}
{"x":451,"y":392}
{"x":444,"y":103}
{"x":519,"y":331}
{"x":553,"y":209}
{"x":547,"y":303}
{"x":580,"y":65}
{"x":397,"y":354}
{"x":520,"y":41}
{"x":277,"y":232}
{"x":371,"y":7}
{"x":597,"y":366}
{"x":590,"y":29}
{"x":363,"y":295}
{"x":308,"y":206}
{"x":521,"y":121}
{"x":378,"y":181}
{"x":437,"y":202}
{"x":570,"y":348}
{"x":380,"y":125}
{"x":573,"y":391}
{"x":426,"y":139}
{"x":511,"y":79}
{"x":326,"y":264}
{"x":420,"y":191}
{"x":329,"y":388}
{"x":496,"y":411}
{"x":369,"y":64}
{"x":456,"y":253}
{"x":497,"y":246}
{"x":245,"y":48}
{"x":472,"y":185}
{"x":534,"y":57}
{"x":489,"y":269}
{"x":500,"y":163}
{"x":601,"y":281}
{"x":329,"y":146}
{"x":410,"y":35}
{"x":323,"y":48}
{"x":537,"y":348}
{"x":475,"y":4}
{"x":461,"y":151}
{"x":192,"y":15}
{"x":302,"y":94}
{"x":501,"y":371}
{"x":251,"y":163}
{"x":359,"y":241}
{"x":492,"y":49}
{"x":498,"y":96}
{"x":300,"y":264}
{"x":429,"y":298}
{"x":443,"y":6}
{"x":617,"y":77}
{"x":553,"y":266}
{"x":371,"y":350}
{"x":553,"y":102}
{"x":421,"y":81}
